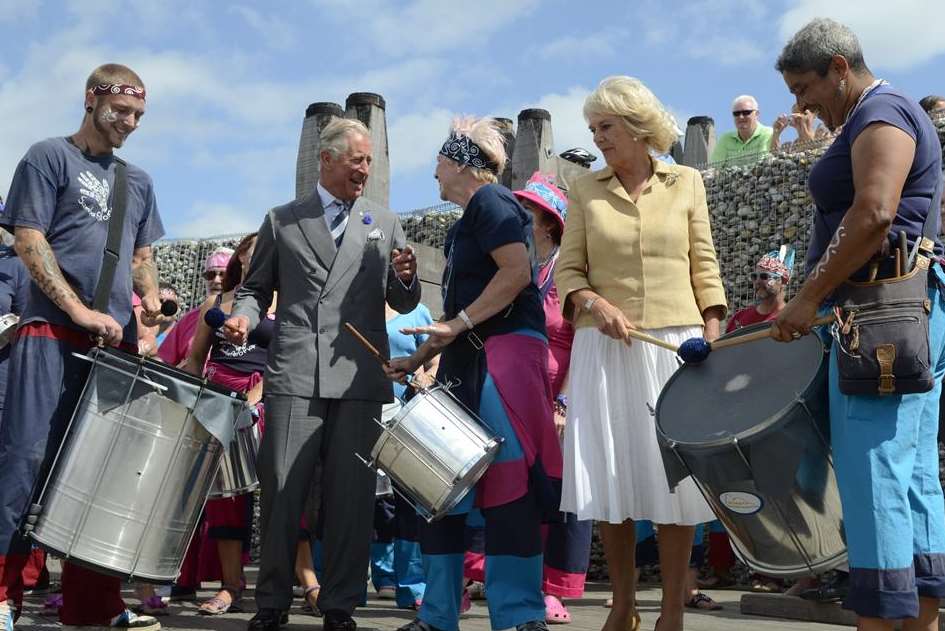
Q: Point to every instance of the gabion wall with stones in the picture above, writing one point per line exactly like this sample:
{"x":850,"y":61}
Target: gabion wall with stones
{"x":180,"y":262}
{"x":754,"y":209}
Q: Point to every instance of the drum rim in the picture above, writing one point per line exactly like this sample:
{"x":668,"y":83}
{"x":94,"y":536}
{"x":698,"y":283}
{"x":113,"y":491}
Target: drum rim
{"x":102,"y":569}
{"x":168,"y":371}
{"x":752,"y":431}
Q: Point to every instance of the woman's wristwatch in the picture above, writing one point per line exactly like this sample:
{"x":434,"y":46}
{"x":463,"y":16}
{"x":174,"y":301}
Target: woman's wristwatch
{"x":589,"y":303}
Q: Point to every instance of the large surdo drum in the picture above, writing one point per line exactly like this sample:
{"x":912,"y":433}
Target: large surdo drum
{"x":130,"y":480}
{"x":750,"y":425}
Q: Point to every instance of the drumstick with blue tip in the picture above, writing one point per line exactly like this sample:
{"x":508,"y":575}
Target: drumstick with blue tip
{"x":697,"y":349}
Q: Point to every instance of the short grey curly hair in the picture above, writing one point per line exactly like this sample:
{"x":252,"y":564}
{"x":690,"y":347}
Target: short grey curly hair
{"x":814,"y":46}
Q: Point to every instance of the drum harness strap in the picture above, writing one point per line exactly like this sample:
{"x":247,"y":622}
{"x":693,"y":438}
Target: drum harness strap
{"x":116,"y":225}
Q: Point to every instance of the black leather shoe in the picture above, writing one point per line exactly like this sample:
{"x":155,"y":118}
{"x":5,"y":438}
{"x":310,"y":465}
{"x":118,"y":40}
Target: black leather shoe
{"x":417,"y":625}
{"x":268,"y":620}
{"x":337,"y":620}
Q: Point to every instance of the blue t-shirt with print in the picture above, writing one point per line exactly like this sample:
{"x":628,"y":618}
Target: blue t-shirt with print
{"x":403,"y":345}
{"x":14,"y":285}
{"x":492,"y":218}
{"x":67,"y":195}
{"x":831,"y":178}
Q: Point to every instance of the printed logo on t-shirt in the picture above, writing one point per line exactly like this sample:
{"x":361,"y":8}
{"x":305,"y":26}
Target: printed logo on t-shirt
{"x":93,"y":196}
{"x":232,"y":350}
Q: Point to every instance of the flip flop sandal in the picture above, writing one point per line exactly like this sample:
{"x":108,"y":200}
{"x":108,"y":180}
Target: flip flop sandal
{"x":555,"y":611}
{"x":703,"y":602}
{"x":216,"y":606}
{"x":311,"y":598}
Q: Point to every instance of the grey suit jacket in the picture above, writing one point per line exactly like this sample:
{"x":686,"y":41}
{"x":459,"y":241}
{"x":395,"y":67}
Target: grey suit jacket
{"x":320,"y":288}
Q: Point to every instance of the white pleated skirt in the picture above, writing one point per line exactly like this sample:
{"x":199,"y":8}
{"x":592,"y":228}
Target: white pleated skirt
{"x":613,"y":470}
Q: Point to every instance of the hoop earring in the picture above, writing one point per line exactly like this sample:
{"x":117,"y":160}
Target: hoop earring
{"x":88,"y":109}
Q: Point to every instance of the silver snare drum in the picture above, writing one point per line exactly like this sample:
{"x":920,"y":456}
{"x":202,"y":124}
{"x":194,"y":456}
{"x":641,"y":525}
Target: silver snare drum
{"x":435,"y":450}
{"x":134,"y":469}
{"x":237,"y":474}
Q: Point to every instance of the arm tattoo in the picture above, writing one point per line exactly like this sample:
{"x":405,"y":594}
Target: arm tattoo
{"x":45,"y":271}
{"x":829,"y":253}
{"x":144,"y":276}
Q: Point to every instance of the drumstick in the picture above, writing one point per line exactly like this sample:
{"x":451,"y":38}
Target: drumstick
{"x":762,"y":335}
{"x":367,"y":344}
{"x":697,"y":349}
{"x":643,"y":337}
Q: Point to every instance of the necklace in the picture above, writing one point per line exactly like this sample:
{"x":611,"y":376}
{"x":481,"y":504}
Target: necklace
{"x":863,"y":95}
{"x":551,"y":255}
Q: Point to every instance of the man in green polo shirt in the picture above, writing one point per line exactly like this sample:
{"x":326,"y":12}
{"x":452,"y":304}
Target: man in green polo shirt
{"x":750,"y":140}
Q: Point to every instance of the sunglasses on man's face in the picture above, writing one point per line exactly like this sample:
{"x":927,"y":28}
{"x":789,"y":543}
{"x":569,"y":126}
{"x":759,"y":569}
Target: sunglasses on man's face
{"x":765,"y":276}
{"x":211,"y":274}
{"x":741,"y":113}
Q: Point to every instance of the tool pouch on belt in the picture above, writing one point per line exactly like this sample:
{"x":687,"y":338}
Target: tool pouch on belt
{"x":884,"y":338}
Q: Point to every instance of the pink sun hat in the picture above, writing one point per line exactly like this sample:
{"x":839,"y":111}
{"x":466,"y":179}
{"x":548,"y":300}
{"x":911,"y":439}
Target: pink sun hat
{"x":541,"y":190}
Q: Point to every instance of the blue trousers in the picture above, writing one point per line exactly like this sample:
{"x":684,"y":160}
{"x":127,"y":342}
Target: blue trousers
{"x":885,"y":453}
{"x":395,"y":553}
{"x":513,"y":564}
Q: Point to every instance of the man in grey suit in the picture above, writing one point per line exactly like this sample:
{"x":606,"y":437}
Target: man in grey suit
{"x":333,"y":258}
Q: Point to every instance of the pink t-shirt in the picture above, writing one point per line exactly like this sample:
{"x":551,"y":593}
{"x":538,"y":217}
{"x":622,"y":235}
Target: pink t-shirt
{"x":560,"y":334}
{"x":176,"y":345}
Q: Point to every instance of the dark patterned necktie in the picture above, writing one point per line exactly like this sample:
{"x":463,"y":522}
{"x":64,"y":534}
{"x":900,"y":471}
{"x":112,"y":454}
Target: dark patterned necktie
{"x":339,"y":223}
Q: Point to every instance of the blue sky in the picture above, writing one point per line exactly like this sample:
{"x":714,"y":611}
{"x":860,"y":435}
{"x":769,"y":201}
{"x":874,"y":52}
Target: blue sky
{"x":228,"y":82}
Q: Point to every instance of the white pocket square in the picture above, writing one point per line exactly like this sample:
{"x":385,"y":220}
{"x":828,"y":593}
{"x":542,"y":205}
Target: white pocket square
{"x":375,"y":235}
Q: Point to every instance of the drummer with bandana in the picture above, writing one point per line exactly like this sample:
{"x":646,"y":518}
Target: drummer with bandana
{"x":59,"y":208}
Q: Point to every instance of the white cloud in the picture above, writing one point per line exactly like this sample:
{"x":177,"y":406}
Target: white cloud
{"x":601,"y":45}
{"x":273,"y":31}
{"x":567,"y":119}
{"x":894,"y":35}
{"x":13,"y":10}
{"x":427,"y":26}
{"x":414,"y":140}
{"x":726,"y":50}
{"x":727,"y":32}
{"x":205,"y":219}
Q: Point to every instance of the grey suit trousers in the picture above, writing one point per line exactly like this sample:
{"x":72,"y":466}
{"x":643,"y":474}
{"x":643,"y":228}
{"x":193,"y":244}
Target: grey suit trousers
{"x":307,"y":439}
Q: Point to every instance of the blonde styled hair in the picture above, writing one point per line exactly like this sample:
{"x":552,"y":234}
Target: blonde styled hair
{"x":484,"y":132}
{"x":335,"y":137}
{"x":643,"y":114}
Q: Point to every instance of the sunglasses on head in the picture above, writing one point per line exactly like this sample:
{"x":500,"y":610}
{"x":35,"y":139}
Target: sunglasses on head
{"x":740,"y":113}
{"x":764,"y":276}
{"x":211,"y":274}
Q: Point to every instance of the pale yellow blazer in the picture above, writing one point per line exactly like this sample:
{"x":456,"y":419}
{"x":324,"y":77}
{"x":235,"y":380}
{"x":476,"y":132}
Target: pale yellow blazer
{"x":653,"y":259}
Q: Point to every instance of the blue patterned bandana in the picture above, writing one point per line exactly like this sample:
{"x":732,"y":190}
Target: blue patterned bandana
{"x":463,"y":150}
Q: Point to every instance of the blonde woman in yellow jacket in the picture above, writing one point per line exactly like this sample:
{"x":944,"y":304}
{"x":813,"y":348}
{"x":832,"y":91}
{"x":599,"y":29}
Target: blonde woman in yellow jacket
{"x":637,"y":252}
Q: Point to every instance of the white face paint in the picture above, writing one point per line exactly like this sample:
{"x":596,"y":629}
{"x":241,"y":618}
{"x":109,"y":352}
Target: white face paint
{"x":108,"y":116}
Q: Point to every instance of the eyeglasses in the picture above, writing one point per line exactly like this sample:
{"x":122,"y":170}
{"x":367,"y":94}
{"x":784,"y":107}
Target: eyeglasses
{"x":764,"y":276}
{"x":211,"y":274}
{"x":741,"y":113}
